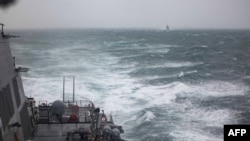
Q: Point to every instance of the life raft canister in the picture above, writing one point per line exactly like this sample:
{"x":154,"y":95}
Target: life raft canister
{"x":73,"y":118}
{"x":104,"y":117}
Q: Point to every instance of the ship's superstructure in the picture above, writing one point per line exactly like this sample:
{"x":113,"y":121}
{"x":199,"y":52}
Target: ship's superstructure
{"x":14,"y":115}
{"x":22,"y":120}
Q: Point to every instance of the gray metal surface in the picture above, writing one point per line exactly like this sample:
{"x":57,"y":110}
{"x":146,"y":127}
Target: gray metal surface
{"x":54,"y":130}
{"x":7,"y":70}
{"x":16,"y":91}
{"x":12,"y":98}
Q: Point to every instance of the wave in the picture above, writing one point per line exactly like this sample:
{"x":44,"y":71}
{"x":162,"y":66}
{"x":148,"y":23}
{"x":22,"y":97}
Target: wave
{"x":174,"y":65}
{"x":159,"y":107}
{"x":113,"y":72}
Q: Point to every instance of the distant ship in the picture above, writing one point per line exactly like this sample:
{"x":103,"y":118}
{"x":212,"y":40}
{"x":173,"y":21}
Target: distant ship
{"x":167,"y":28}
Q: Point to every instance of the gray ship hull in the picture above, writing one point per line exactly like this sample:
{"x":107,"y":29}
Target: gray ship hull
{"x":13,"y":110}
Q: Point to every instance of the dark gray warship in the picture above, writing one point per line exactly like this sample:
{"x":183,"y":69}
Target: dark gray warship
{"x":24,"y":119}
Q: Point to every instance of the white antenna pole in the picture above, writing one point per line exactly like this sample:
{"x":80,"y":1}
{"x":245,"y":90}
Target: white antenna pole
{"x":63,"y":88}
{"x":73,"y":89}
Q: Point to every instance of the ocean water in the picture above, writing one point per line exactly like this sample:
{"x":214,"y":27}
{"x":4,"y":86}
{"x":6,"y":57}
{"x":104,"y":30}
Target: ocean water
{"x":180,"y":85}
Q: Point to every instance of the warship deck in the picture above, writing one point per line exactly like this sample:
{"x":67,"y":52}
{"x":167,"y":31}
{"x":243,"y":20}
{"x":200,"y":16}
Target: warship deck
{"x":57,"y":132}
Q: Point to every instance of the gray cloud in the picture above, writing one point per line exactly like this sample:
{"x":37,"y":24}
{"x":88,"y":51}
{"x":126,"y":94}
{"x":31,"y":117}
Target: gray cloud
{"x":128,"y":14}
{"x":6,"y":3}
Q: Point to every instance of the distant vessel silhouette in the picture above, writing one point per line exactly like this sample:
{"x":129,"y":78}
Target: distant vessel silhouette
{"x":167,"y":28}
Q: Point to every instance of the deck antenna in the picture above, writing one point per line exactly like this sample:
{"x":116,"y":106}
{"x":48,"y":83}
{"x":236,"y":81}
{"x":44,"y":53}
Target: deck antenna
{"x":73,"y":89}
{"x":63,"y":88}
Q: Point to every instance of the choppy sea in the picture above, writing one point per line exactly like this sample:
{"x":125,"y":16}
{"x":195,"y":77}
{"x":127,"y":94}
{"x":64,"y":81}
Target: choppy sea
{"x":181,"y":85}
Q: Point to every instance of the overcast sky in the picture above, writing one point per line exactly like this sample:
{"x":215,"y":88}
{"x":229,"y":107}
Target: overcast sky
{"x":127,"y":14}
